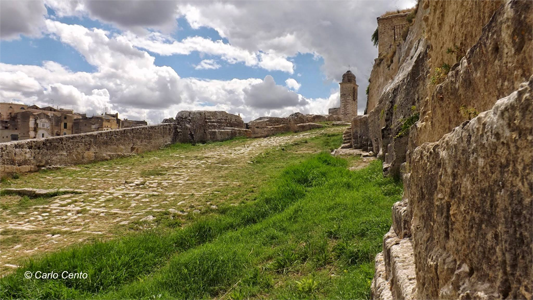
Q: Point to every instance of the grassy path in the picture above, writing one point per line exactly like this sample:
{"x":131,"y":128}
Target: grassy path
{"x":166,"y":188}
{"x":309,"y":228}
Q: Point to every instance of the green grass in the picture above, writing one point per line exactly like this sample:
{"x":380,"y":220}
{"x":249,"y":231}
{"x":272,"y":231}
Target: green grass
{"x":311,"y":233}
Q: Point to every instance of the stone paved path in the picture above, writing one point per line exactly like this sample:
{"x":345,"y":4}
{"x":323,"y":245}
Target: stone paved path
{"x":118,"y":195}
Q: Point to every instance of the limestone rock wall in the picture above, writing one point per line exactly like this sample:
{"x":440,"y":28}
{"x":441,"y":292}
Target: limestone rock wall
{"x":495,"y":39}
{"x":464,"y":229}
{"x":471,"y":195}
{"x":31,"y":155}
{"x":498,"y":62}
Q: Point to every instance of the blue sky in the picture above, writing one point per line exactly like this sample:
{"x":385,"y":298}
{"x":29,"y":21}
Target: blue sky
{"x":89,"y":57}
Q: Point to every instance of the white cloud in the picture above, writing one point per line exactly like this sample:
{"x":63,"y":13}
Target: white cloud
{"x":259,"y":34}
{"x":339,"y":33}
{"x":135,"y":14}
{"x":292,"y":84}
{"x":207,"y":64}
{"x":268,"y":95}
{"x":272,"y":61}
{"x":65,"y":8}
{"x":21,"y":17}
{"x":165,"y":45}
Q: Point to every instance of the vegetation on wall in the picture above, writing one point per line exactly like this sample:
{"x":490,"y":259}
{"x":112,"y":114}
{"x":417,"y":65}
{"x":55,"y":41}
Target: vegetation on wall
{"x":468,"y":112}
{"x":375,"y":37}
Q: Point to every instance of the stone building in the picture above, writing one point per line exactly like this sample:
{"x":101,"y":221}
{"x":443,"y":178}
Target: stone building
{"x":22,"y":122}
{"x":132,"y":123}
{"x":348,"y":94}
{"x":390,"y":29}
{"x":96,"y":123}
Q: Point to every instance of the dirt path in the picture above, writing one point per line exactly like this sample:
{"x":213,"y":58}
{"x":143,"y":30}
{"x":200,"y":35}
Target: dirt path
{"x":124,"y":194}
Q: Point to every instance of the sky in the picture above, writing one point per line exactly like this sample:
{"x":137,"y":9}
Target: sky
{"x":150,"y":59}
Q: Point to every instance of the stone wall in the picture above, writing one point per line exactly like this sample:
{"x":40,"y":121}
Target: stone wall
{"x":188,"y":127}
{"x":208,"y":126}
{"x":31,"y":155}
{"x":334,"y":111}
{"x":360,"y":137}
{"x":267,"y":126}
{"x":500,"y":58}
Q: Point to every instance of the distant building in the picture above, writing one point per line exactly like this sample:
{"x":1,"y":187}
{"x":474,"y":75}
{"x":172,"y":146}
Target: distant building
{"x":22,"y":122}
{"x":132,"y":123}
{"x":348,"y":95}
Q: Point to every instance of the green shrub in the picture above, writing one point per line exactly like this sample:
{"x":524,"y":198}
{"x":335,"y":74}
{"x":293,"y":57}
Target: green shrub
{"x":375,"y":37}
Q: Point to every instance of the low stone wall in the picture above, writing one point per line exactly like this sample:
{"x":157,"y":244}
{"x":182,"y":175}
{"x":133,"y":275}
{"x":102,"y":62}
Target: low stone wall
{"x":31,"y":155}
{"x":267,"y":126}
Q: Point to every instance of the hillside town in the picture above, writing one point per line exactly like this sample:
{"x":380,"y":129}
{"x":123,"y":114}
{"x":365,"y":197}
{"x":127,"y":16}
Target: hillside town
{"x":23,"y":122}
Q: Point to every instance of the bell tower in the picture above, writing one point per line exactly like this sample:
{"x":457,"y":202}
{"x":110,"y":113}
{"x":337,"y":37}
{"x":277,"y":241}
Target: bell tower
{"x":348,"y":91}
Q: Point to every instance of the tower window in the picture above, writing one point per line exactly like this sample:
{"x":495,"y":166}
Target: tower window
{"x":64,"y":125}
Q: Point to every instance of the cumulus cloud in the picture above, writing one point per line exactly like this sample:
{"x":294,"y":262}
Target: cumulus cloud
{"x":135,"y":14}
{"x":207,"y":64}
{"x":339,"y":33}
{"x":292,"y":84}
{"x":164,"y":45}
{"x":21,"y":17}
{"x":269,"y":95}
{"x":258,"y":33}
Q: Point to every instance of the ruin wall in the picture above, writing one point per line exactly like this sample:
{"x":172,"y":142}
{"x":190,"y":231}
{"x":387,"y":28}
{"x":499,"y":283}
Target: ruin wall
{"x":31,"y":155}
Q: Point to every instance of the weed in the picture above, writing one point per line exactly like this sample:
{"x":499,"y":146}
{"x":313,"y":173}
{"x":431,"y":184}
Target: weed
{"x":405,"y":32}
{"x":407,"y":123}
{"x":307,"y":286}
{"x":438,"y":76}
{"x":446,"y":68}
{"x":410,"y":17}
{"x":375,"y":37}
{"x":468,"y":112}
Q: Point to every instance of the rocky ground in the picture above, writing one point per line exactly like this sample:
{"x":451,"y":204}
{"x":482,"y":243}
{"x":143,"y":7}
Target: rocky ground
{"x":169,"y":186}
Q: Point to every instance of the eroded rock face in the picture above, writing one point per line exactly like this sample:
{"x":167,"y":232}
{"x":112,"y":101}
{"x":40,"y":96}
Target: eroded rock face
{"x":212,"y":126}
{"x":471,"y":195}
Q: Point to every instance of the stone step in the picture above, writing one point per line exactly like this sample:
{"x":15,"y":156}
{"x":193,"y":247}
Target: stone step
{"x":399,"y":266}
{"x":346,"y":146}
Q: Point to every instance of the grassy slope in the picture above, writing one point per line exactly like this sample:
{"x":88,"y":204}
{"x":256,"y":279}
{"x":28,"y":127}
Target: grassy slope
{"x":312,"y":232}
